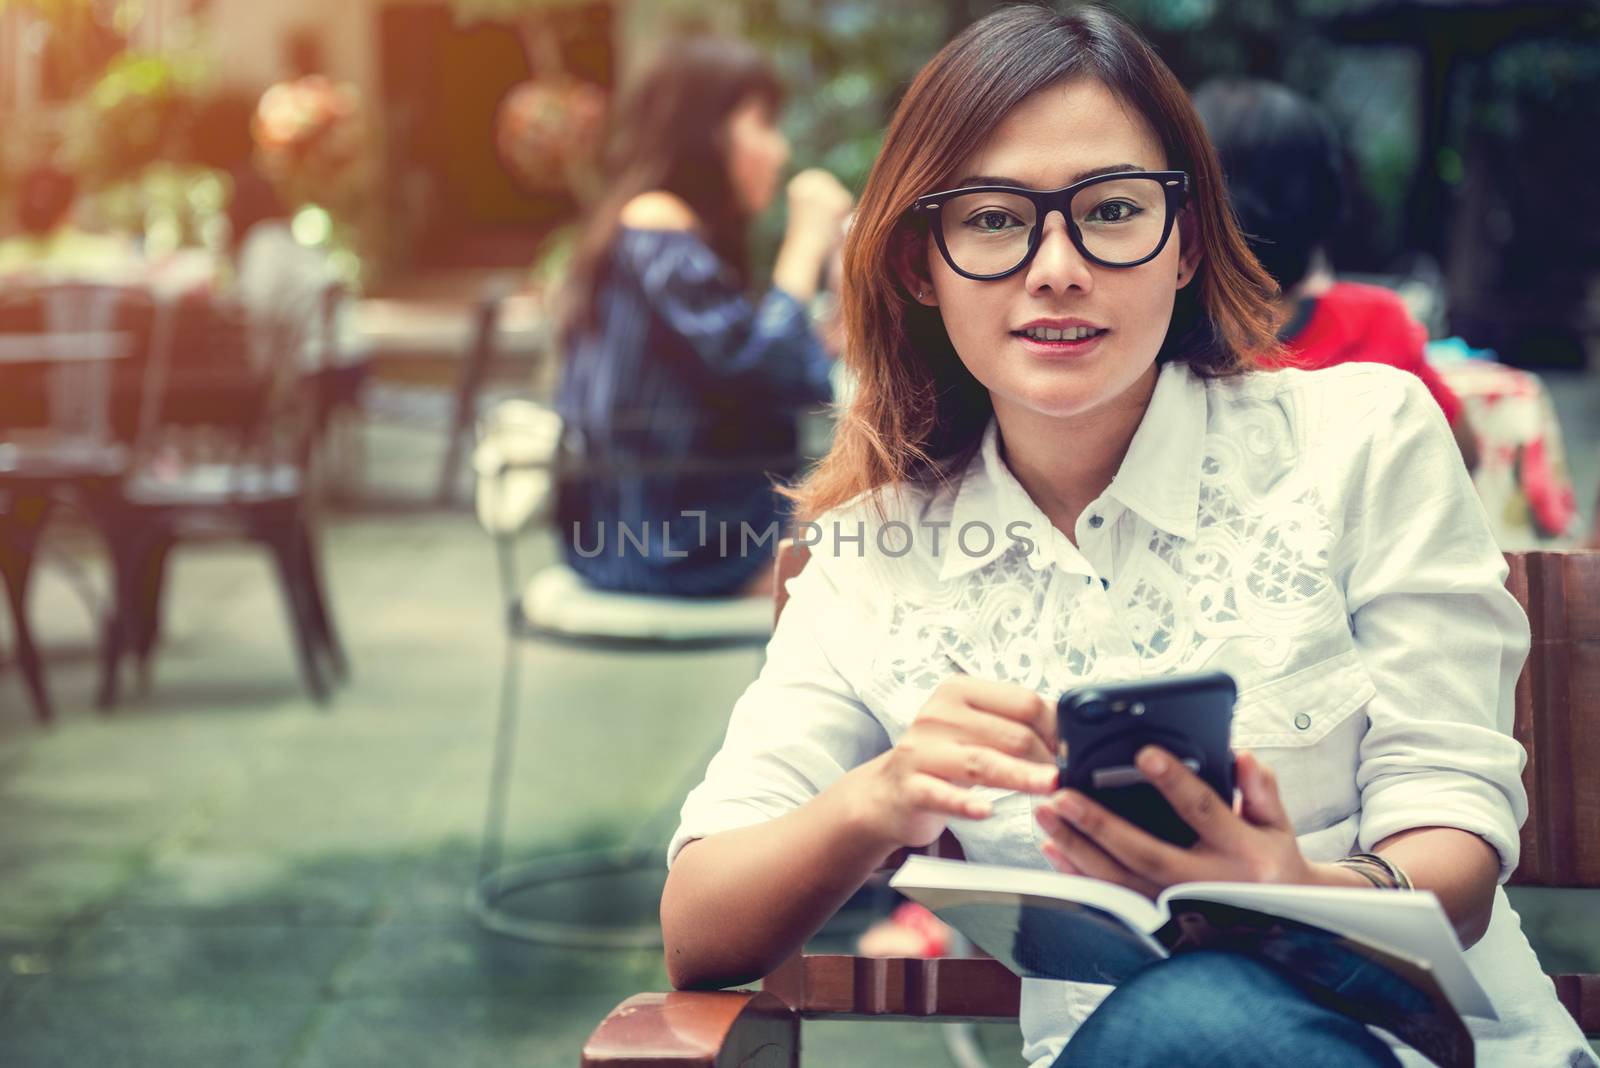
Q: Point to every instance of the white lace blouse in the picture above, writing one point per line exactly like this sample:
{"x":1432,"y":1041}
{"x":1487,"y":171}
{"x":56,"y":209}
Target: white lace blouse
{"x":1314,"y":534}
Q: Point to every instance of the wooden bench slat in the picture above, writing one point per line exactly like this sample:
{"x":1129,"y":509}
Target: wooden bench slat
{"x":1558,"y":717}
{"x":950,"y":988}
{"x":1581,"y":995}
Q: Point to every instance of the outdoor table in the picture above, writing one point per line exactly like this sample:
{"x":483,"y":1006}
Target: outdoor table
{"x":1522,"y":474}
{"x":403,"y":337}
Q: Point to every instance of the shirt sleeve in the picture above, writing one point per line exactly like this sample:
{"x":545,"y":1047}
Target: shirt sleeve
{"x":766,"y":344}
{"x":1440,"y":635}
{"x":797,"y":728}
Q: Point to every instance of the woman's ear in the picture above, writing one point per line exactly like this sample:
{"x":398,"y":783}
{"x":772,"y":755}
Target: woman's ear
{"x":1190,"y":251}
{"x":910,"y":262}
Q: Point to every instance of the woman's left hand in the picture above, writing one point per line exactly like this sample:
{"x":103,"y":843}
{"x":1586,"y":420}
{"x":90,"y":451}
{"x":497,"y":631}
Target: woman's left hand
{"x":1254,"y":844}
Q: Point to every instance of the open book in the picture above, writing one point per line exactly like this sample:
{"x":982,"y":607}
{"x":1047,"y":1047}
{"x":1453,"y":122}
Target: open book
{"x":1388,"y":959}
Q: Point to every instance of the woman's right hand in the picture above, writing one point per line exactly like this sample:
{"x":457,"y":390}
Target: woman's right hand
{"x":971,"y":732}
{"x":818,"y":207}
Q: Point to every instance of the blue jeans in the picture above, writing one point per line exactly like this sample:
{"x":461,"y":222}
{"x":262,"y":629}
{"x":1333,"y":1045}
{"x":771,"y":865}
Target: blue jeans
{"x":1210,"y":1009}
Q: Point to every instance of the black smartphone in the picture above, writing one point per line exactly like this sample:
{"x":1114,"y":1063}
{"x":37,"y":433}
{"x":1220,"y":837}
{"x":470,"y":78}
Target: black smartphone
{"x":1101,"y":728}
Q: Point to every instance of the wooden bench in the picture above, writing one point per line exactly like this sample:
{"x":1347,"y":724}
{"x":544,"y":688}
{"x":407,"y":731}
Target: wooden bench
{"x":1557,"y":720}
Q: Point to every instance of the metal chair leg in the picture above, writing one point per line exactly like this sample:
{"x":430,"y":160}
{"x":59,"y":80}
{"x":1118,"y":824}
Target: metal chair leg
{"x":152,"y":581}
{"x":317,"y":602}
{"x":505,"y":740}
{"x":291,"y":578}
{"x":496,"y":883}
{"x":16,"y":584}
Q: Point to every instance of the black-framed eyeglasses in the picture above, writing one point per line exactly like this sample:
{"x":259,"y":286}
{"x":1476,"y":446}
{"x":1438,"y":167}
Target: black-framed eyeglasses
{"x":989,"y":232}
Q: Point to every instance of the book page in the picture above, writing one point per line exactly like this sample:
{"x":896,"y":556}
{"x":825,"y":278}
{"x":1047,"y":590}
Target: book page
{"x":1045,"y":937}
{"x":936,"y":873}
{"x":1412,"y":924}
{"x":1036,"y":935}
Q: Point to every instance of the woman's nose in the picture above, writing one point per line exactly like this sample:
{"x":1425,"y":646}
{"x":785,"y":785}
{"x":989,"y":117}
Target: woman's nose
{"x":1057,"y":263}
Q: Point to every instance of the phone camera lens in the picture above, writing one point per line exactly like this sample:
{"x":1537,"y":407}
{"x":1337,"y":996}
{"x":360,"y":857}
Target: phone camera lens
{"x":1093,"y":712}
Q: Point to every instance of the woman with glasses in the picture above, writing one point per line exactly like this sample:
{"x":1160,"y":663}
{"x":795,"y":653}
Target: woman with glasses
{"x":1061,"y":468}
{"x":680,"y":392}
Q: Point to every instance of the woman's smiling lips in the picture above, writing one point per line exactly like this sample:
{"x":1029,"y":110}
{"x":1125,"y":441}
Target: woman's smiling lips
{"x":1059,"y":337}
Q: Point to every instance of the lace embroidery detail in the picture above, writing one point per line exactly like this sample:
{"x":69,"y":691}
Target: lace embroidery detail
{"x":1256,"y":577}
{"x":999,"y":622}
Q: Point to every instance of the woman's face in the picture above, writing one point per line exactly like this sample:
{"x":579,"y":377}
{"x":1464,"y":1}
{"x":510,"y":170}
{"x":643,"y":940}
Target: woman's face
{"x":757,"y":152}
{"x":1054,"y":138}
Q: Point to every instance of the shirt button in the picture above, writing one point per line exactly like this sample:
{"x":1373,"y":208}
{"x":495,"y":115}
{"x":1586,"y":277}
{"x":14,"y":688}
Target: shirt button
{"x":1096,"y":521}
{"x":1302,"y":721}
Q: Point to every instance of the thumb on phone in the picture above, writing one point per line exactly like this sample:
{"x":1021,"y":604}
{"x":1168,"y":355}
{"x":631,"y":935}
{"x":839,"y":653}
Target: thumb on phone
{"x":1258,"y":792}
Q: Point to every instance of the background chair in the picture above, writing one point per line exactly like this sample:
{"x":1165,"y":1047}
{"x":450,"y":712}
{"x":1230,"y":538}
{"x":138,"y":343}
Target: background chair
{"x":222,"y":453}
{"x":72,"y":357}
{"x":1557,"y":720}
{"x":475,"y":363}
{"x":521,"y":459}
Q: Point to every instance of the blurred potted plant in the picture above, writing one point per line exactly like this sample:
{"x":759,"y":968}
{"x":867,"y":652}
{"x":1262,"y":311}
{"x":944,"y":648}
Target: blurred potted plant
{"x":312,"y":143}
{"x":133,"y":116}
{"x":128,"y":144}
{"x":548,"y":129}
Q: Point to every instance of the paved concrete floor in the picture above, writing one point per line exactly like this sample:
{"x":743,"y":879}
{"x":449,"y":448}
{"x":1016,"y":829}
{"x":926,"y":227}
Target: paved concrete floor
{"x":222,"y":872}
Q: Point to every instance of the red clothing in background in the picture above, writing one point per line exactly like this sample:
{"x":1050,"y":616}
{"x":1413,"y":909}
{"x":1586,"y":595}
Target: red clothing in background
{"x":1355,"y":323}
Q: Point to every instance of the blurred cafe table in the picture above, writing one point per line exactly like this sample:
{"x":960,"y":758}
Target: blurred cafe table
{"x":460,"y":341}
{"x":1522,"y":475}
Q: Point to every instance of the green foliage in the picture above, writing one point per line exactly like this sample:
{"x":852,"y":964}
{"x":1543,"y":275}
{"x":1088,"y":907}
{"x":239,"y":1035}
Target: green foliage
{"x":172,"y":205}
{"x":137,"y":113}
{"x":845,"y":64}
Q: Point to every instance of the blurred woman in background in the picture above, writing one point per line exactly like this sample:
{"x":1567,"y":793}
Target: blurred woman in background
{"x":1285,"y":173}
{"x":680,"y":391}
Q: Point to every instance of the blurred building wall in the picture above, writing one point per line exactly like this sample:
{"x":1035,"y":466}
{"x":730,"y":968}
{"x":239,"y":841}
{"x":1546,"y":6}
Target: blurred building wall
{"x":251,"y":40}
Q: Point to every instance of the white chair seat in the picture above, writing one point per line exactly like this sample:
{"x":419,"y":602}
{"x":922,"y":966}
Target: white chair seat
{"x":558,"y":599}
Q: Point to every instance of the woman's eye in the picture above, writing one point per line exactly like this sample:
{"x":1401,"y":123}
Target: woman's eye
{"x":1113,"y":211}
{"x":992,"y":221}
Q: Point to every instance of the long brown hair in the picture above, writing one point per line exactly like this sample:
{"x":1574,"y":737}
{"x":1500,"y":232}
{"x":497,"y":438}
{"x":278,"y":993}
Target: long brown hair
{"x":669,"y":133}
{"x":918,"y":413}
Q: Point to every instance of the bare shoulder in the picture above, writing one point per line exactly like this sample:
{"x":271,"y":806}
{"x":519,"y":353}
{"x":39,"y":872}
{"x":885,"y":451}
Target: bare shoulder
{"x":658,"y":210}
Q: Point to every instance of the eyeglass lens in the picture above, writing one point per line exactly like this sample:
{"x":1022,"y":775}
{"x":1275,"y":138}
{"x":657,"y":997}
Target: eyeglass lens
{"x":1121,"y":222}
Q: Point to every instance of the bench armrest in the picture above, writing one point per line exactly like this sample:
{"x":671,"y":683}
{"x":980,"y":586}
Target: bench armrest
{"x":696,"y":1029}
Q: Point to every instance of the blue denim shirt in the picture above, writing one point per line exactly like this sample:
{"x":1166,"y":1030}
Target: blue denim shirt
{"x":680,"y":366}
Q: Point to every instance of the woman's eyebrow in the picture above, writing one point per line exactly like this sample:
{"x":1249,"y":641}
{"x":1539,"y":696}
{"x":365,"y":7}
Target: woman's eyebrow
{"x":996,"y":179}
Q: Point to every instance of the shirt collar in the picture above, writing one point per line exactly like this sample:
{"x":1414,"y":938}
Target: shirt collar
{"x":1159,"y":479}
{"x":990,"y":497}
{"x":1160,"y":476}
